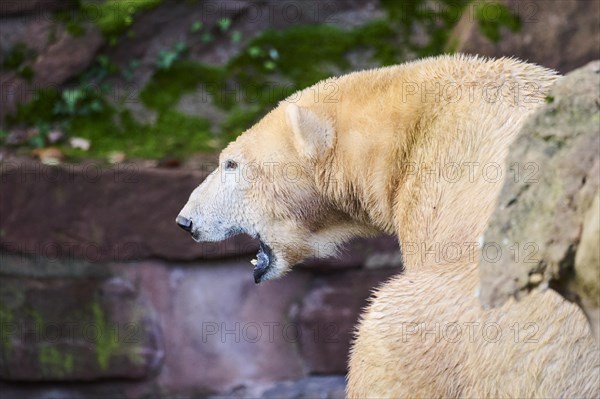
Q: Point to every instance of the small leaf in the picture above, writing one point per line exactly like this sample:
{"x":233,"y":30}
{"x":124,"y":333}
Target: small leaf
{"x":37,"y":142}
{"x":196,"y":26}
{"x":254,"y":51}
{"x":236,"y":36}
{"x":224,"y":23}
{"x":180,"y":47}
{"x":270,"y":65}
{"x":96,"y":106}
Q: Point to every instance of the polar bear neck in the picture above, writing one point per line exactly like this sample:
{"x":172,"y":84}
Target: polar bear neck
{"x":422,"y":166}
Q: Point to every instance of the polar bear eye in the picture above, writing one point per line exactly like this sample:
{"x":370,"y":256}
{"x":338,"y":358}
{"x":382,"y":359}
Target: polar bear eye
{"x":230,"y":165}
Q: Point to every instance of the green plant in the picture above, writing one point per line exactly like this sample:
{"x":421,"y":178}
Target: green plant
{"x":39,"y":140}
{"x":236,"y":36}
{"x":224,"y":24}
{"x":79,"y":102}
{"x":207,"y":37}
{"x":128,"y":72}
{"x":99,"y":71}
{"x":166,"y":58}
{"x":254,"y":51}
{"x":196,"y":26}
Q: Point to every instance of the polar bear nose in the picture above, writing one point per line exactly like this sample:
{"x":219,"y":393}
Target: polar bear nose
{"x":184,"y":223}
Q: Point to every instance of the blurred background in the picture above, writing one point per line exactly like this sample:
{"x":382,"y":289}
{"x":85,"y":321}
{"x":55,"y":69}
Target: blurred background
{"x":111,"y":112}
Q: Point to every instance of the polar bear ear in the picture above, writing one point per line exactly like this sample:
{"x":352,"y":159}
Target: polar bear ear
{"x":313,"y":135}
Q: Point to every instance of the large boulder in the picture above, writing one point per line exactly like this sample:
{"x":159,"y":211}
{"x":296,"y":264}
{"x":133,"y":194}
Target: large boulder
{"x":545,"y":228}
{"x":563,"y":35}
{"x":16,"y":7}
{"x":49,"y":52}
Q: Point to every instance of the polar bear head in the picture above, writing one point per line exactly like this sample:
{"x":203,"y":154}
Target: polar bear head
{"x":271,"y":184}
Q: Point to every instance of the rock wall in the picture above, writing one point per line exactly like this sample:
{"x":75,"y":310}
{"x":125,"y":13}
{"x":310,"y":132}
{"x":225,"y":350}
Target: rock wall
{"x":547,"y":215}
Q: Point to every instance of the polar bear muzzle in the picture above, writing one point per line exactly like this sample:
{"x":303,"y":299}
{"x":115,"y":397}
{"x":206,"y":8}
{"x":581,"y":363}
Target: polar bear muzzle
{"x":184,"y":223}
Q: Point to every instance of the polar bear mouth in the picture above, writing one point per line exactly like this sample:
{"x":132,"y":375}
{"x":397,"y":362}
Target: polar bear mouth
{"x":262,"y":263}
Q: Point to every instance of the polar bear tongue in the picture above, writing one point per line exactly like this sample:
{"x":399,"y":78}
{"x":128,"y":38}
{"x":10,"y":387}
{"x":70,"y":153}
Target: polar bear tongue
{"x":263,"y":261}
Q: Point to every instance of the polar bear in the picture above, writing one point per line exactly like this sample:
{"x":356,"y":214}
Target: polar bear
{"x":415,"y":150}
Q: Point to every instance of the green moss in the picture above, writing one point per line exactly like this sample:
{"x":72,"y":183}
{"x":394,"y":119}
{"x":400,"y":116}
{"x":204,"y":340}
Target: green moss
{"x":38,"y":320}
{"x":303,"y":53}
{"x":38,"y":109}
{"x":114,"y":16}
{"x":174,"y":134}
{"x":55,"y":364}
{"x":302,"y":62}
{"x":167,"y":86}
{"x":107,"y":341}
{"x":52,"y":362}
{"x":6,"y":319}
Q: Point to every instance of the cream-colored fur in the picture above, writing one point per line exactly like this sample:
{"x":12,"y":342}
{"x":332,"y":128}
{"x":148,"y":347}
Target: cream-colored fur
{"x":411,"y":150}
{"x":424,"y":335}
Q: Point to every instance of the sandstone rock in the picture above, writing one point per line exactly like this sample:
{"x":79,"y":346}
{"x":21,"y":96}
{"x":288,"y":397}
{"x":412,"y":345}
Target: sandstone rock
{"x":547,"y":215}
{"x":563,"y":35}
{"x":372,"y":253}
{"x":587,"y":265}
{"x":223,"y":331}
{"x":15,"y":90}
{"x":58,"y":56}
{"x":68,"y":329}
{"x":12,"y":7}
{"x":66,"y":57}
{"x":77,"y":211}
{"x":326,"y":387}
{"x":328,"y":315}
{"x":331,"y":387}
